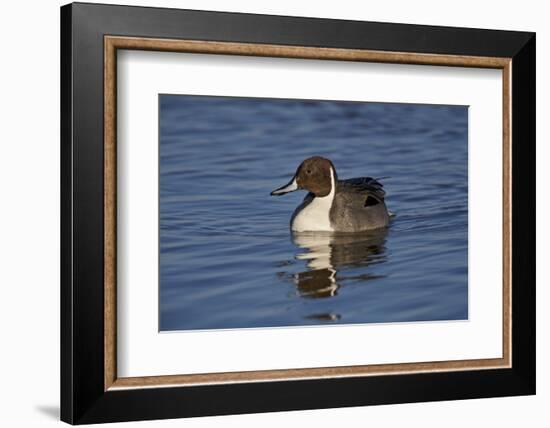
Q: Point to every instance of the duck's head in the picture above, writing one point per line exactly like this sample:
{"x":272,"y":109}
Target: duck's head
{"x":315,"y":174}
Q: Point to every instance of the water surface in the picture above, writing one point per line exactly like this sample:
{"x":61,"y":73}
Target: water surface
{"x":227,"y":257}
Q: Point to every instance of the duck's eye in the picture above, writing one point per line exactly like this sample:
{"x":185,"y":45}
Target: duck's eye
{"x":308,"y":171}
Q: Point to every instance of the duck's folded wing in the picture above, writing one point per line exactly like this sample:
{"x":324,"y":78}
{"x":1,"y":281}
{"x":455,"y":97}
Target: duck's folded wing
{"x":367,"y":185}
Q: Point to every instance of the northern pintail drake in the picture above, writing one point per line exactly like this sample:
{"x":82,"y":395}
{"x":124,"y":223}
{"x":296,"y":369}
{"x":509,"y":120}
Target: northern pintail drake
{"x":333,"y":205}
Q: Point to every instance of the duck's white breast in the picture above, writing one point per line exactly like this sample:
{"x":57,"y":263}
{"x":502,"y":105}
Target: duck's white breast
{"x":315,"y":217}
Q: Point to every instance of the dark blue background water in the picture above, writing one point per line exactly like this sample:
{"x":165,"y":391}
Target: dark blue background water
{"x":227,"y":257}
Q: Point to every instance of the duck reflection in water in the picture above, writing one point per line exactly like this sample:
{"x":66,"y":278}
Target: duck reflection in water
{"x":327,"y":253}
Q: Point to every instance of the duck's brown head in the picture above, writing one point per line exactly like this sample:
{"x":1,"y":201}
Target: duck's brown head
{"x":315,"y":174}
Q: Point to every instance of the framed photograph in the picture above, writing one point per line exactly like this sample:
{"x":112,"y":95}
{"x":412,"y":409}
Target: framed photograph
{"x":266,"y":213}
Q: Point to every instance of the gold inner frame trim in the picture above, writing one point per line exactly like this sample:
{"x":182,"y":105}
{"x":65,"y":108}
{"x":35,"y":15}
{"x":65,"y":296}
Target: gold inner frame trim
{"x":113,"y":43}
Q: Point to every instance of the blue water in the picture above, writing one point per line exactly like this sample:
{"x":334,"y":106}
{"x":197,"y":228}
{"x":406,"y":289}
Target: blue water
{"x":227,"y":256}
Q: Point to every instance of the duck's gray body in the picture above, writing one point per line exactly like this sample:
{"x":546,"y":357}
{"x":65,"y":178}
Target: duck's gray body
{"x":357,"y":205}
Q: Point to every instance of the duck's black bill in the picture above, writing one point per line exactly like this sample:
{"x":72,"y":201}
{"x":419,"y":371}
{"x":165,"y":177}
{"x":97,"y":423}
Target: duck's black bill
{"x":290,"y":187}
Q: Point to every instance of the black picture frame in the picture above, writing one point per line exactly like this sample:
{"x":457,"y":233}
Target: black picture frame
{"x":83,"y":398}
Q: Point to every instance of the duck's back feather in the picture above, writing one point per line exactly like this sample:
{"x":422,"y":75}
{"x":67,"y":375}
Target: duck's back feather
{"x":359,"y":205}
{"x":366,"y":185}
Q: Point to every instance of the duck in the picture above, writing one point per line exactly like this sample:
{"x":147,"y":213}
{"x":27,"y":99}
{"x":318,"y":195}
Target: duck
{"x":333,"y":205}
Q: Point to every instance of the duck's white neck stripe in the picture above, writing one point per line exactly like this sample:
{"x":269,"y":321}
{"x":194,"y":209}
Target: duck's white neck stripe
{"x":316,"y":215}
{"x":332,"y":187}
